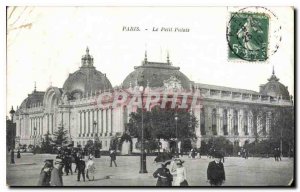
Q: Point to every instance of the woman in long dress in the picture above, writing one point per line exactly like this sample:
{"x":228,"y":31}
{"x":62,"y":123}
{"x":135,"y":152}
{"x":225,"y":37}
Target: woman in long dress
{"x":180,"y":173}
{"x":45,"y":175}
{"x":90,"y":169}
{"x":163,"y":175}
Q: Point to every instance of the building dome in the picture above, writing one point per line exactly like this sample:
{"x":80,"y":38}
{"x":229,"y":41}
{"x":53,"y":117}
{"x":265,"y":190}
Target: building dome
{"x":34,"y":99}
{"x":156,"y":74}
{"x":274,"y":88}
{"x":86,"y":80}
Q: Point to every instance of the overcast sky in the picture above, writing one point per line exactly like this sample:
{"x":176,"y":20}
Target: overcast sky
{"x":45,"y":44}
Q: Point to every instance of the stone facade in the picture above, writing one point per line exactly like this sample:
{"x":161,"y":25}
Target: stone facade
{"x":237,"y":114}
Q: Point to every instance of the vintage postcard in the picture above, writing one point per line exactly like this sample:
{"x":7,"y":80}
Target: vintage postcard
{"x":150,"y":96}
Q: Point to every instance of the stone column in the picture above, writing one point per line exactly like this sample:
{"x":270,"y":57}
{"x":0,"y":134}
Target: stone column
{"x":112,"y":120}
{"x":220,"y":121}
{"x":250,"y":123}
{"x":42,"y":125}
{"x":30,"y":127}
{"x":105,"y":121}
{"x":80,"y":123}
{"x":100,"y":122}
{"x":259,"y":121}
{"x":268,"y":122}
{"x":92,"y":122}
{"x":97,"y":120}
{"x":229,"y":122}
{"x":50,"y":123}
{"x":39,"y":125}
{"x":84,"y":123}
{"x":197,"y":129}
{"x":208,"y":124}
{"x":108,"y":121}
{"x":88,"y":122}
{"x":241,"y":122}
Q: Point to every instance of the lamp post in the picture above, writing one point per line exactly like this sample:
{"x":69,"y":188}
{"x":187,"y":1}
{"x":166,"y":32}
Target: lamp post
{"x":12,"y":155}
{"x":176,"y":119}
{"x":143,"y":168}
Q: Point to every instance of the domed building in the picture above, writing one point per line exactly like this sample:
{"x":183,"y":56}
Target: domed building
{"x":86,"y":80}
{"x":274,"y":88}
{"x":87,"y":105}
{"x":156,"y":74}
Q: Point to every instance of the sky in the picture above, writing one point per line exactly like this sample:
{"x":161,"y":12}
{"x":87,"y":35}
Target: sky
{"x":45,"y":45}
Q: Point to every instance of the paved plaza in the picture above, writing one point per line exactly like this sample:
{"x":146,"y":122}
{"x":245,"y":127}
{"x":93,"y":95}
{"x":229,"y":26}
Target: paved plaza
{"x":239,"y":172}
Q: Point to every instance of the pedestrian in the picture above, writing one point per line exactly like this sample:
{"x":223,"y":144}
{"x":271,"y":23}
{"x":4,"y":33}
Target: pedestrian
{"x":222,"y":152}
{"x":56,"y":176}
{"x":193,"y":153}
{"x":77,"y":159}
{"x":180,"y":173}
{"x":199,"y":153}
{"x":278,"y":154}
{"x":68,"y":164}
{"x":215,"y":171}
{"x":163,"y":175}
{"x":275,"y":154}
{"x":18,"y":154}
{"x":45,"y":174}
{"x":81,"y":169}
{"x":90,"y":171}
{"x":112,"y":154}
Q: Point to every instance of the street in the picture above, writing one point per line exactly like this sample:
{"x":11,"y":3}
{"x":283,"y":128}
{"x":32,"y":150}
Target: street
{"x":239,"y":172}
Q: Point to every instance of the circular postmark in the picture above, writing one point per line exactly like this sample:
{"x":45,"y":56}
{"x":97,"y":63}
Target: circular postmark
{"x":253,"y":34}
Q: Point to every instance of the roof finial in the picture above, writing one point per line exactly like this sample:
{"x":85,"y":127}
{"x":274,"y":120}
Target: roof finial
{"x":87,"y":50}
{"x":273,"y":72}
{"x":145,"y":56}
{"x":35,"y":86}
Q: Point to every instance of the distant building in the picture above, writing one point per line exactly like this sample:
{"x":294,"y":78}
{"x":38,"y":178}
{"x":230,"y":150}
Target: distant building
{"x":225,"y":111}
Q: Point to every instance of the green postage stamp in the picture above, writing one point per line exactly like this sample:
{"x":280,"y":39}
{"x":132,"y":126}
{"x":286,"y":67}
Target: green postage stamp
{"x":248,"y":36}
{"x":249,"y":33}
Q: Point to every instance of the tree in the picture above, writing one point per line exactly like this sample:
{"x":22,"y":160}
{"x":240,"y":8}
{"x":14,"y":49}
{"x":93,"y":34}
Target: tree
{"x":60,"y":136}
{"x":97,"y":143}
{"x":160,"y":124}
{"x":221,"y":144}
{"x":10,"y":133}
{"x":46,"y":144}
{"x":283,"y":129}
{"x":281,"y":132}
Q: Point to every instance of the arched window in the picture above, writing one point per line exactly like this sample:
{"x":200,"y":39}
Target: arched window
{"x":235,"y":122}
{"x":246,"y":123}
{"x":214,"y":121}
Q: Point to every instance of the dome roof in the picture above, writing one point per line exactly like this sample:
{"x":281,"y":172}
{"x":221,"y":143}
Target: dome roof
{"x":87,"y":79}
{"x":33,"y":99}
{"x":156,"y":74}
{"x":274,"y":88}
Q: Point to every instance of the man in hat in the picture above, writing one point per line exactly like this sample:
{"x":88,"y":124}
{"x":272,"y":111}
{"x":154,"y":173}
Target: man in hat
{"x":56,"y":177}
{"x":45,"y":175}
{"x":215,"y":171}
{"x":81,"y":168}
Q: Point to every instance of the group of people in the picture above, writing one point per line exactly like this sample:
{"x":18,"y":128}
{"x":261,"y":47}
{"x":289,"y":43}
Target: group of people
{"x":244,"y":153}
{"x":52,"y":172}
{"x":177,"y":174}
{"x":165,"y":176}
